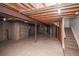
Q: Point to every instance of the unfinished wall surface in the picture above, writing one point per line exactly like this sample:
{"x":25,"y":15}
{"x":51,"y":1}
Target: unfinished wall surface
{"x":75,"y":28}
{"x":13,"y":30}
{"x":19,"y":31}
{"x":1,"y":31}
{"x":42,"y":29}
{"x":31,"y":29}
{"x":6,"y":30}
{"x":15,"y":34}
{"x":66,"y":22}
{"x":23,"y":30}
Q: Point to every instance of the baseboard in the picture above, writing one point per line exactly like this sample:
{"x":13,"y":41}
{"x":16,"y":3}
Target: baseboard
{"x":75,"y":36}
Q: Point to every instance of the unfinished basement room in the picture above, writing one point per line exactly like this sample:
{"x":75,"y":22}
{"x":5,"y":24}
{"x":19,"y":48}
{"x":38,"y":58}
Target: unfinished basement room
{"x":39,"y":29}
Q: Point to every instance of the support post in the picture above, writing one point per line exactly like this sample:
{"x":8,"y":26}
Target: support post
{"x":27,"y":30}
{"x":4,"y":30}
{"x":56,"y":31}
{"x":45,"y":31}
{"x":62,"y":32}
{"x":50,"y":31}
{"x":35,"y":31}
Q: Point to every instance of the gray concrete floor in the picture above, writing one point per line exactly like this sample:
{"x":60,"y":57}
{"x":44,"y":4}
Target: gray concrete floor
{"x":29,"y":47}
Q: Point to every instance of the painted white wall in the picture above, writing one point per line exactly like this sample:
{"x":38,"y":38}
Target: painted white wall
{"x":75,"y":28}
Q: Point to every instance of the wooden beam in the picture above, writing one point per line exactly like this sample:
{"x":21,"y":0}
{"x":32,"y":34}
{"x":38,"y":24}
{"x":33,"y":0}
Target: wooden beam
{"x":13,"y":5}
{"x":63,"y":12}
{"x":31,"y":5}
{"x":62,"y":34}
{"x":52,"y":15}
{"x":16,"y":6}
{"x":21,"y":5}
{"x":48,"y":9}
{"x":40,"y":12}
{"x":27,"y":5}
{"x":37,"y":20}
{"x":14,"y":13}
{"x":44,"y":4}
{"x":46,"y":17}
{"x":43,"y":20}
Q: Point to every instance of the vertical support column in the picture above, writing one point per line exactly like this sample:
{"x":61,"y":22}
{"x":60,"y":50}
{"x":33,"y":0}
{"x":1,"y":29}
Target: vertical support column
{"x":53,"y":29}
{"x":35,"y":31}
{"x":45,"y":31}
{"x":50,"y":31}
{"x":62,"y":32}
{"x":56,"y":31}
{"x":4,"y":34}
{"x":16,"y":31}
{"x":27,"y":30}
{"x":59,"y":31}
{"x":4,"y":29}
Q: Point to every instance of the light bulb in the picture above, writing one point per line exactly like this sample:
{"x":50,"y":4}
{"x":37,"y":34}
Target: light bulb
{"x":59,"y":11}
{"x":4,"y":19}
{"x":76,"y":13}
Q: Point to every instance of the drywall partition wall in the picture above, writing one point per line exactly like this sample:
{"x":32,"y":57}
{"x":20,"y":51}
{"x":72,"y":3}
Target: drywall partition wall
{"x":75,"y":28}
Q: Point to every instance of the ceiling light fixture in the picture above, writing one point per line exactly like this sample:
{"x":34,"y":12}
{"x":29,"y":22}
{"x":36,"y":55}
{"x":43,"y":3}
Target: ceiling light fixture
{"x":4,"y":19}
{"x":76,"y":13}
{"x":25,"y":21}
{"x":59,"y":11}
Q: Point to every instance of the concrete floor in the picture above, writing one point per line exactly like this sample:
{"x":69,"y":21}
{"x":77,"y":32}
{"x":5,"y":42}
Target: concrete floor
{"x":44,"y":46}
{"x":29,"y":47}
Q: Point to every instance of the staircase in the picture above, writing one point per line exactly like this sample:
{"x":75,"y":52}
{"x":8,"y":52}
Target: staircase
{"x":71,"y":47}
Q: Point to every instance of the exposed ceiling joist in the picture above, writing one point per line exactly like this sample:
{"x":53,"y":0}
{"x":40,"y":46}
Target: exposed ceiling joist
{"x":45,"y":13}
